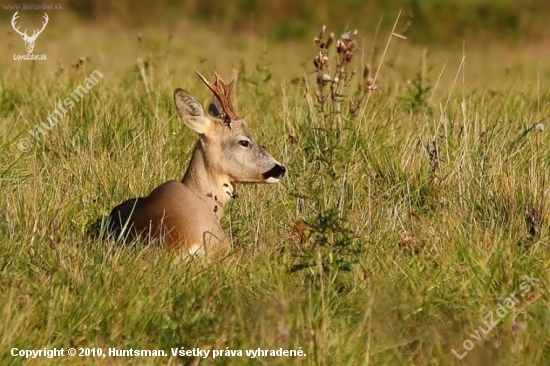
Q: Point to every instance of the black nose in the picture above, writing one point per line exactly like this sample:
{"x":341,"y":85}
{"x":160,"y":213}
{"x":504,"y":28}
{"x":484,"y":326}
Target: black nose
{"x":278,"y":171}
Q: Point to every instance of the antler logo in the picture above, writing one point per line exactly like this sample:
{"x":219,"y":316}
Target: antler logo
{"x":29,"y":40}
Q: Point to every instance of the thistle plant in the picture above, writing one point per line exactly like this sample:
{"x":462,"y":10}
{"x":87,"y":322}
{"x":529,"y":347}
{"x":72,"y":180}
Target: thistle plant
{"x":335,"y":73}
{"x":324,"y":236}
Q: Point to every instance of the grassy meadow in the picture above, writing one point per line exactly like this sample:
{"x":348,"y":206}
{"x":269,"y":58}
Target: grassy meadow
{"x":397,"y":229}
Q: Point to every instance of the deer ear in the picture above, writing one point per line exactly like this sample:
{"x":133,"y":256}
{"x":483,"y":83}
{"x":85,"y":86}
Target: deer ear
{"x":191,"y":111}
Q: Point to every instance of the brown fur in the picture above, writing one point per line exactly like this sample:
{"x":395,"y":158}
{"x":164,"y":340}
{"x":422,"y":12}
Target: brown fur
{"x":186,"y":214}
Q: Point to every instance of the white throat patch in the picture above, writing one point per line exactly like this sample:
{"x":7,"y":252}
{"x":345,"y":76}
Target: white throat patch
{"x":229,"y":190}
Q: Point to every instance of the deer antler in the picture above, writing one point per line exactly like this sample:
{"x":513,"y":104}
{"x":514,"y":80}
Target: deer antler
{"x":222,"y":91}
{"x":15,"y":16}
{"x":35,"y":34}
{"x":24,"y":34}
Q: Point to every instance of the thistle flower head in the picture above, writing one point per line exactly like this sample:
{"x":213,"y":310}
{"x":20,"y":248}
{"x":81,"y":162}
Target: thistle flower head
{"x":322,"y":32}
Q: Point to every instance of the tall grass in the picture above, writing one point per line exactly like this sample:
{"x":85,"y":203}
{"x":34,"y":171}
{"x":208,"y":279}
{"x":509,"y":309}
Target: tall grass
{"x":387,"y":245}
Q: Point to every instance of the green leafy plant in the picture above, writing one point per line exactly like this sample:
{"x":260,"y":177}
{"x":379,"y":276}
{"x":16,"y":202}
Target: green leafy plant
{"x":417,"y":93}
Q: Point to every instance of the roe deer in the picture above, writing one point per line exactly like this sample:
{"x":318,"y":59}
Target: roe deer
{"x":187,"y":213}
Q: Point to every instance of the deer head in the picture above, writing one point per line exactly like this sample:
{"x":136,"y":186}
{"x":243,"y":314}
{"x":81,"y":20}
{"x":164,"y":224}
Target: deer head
{"x":29,"y":40}
{"x":229,"y":152}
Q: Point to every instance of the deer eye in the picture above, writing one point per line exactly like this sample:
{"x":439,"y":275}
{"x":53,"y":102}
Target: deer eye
{"x":244,"y":143}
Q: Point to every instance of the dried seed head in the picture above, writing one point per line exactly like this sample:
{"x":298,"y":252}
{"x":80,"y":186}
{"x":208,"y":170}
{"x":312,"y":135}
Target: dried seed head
{"x":341,"y":47}
{"x":330,"y":40}
{"x":366,"y":71}
{"x":348,"y":56}
{"x":316,"y":63}
{"x":539,"y":127}
{"x":320,"y":98}
{"x":322,"y":32}
{"x":326,"y":78}
{"x":310,"y":335}
{"x":369,"y":85}
{"x":319,"y":61}
{"x":352,"y":108}
{"x":316,"y":41}
{"x":284,"y":334}
{"x":349,"y":36}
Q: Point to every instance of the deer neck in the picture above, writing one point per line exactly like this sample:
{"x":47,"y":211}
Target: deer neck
{"x":215,"y":190}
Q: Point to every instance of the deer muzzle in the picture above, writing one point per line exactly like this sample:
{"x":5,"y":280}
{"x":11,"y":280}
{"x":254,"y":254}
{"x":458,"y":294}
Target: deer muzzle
{"x":274,"y":174}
